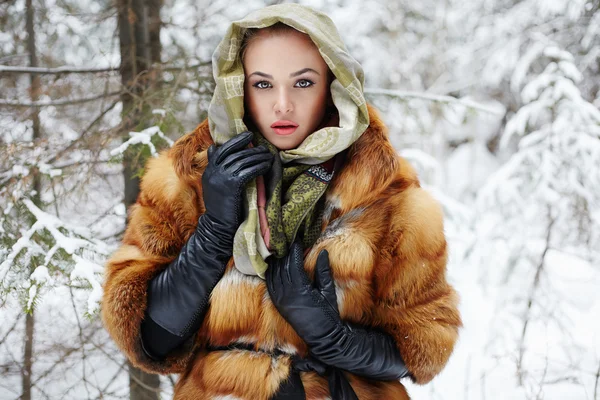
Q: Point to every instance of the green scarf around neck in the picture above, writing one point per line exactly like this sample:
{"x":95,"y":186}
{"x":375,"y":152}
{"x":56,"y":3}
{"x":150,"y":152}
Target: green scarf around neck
{"x":296,"y":183}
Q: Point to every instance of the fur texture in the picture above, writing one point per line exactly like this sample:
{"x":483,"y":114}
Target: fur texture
{"x":388,"y":257}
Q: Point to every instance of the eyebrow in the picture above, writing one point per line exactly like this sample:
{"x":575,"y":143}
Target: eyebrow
{"x":292,"y":75}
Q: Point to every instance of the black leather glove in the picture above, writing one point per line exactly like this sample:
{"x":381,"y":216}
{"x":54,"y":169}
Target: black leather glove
{"x":178,"y":296}
{"x":230,"y":167}
{"x":313,"y":313}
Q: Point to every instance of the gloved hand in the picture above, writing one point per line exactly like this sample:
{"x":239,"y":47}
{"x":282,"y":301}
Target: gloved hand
{"x":230,"y":167}
{"x":311,"y":309}
{"x":178,"y":295}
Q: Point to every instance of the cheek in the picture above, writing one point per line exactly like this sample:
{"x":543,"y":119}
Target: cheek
{"x":252,"y":107}
{"x":319,"y":103}
{"x":323,"y":97}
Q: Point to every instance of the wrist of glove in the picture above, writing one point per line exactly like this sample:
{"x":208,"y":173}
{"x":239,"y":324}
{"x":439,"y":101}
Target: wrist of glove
{"x":311,"y":309}
{"x":178,"y":296}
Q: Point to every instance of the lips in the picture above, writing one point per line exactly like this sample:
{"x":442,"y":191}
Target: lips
{"x":284,"y":127}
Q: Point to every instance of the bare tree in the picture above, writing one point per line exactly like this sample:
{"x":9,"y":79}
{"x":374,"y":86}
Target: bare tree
{"x":139,"y":34}
{"x":37,"y":186}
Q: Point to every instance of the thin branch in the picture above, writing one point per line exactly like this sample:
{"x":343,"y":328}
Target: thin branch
{"x":60,"y":70}
{"x":12,"y":56}
{"x":113,"y":379}
{"x":64,"y":356}
{"x":11,"y":328}
{"x":57,"y":103}
{"x":530,"y":300}
{"x":188,"y":67}
{"x":80,"y":163}
{"x":84,"y":134}
{"x":83,"y":355}
{"x":556,"y":381}
{"x":107,"y":212}
{"x":596,"y":383}
{"x":84,"y":70}
{"x":433,"y":97}
{"x":114,"y":236}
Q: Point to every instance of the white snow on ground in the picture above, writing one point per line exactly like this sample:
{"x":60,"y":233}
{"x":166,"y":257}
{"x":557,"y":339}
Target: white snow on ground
{"x":531,"y":329}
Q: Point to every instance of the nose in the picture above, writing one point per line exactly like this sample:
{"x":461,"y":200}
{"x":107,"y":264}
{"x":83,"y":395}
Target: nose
{"x":283,"y":103}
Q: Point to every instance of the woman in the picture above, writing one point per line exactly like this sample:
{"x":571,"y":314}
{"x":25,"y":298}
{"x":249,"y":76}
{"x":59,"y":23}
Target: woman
{"x":301,"y":261}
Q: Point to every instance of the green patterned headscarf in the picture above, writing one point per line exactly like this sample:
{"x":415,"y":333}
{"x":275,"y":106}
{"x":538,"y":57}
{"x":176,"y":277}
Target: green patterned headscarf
{"x":226,"y":113}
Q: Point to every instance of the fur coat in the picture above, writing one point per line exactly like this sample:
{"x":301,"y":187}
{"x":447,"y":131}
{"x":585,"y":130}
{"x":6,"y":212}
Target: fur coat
{"x":388,"y":256}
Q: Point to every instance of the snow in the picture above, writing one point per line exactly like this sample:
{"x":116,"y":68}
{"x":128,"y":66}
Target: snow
{"x":26,"y":246}
{"x":87,"y":270}
{"x":20,"y":170}
{"x":48,"y":170}
{"x":32,"y":294}
{"x":41,"y":275}
{"x":143,"y":137}
{"x":494,"y":103}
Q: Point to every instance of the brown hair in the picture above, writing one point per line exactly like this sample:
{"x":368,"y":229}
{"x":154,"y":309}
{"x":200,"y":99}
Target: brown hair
{"x":273,"y":30}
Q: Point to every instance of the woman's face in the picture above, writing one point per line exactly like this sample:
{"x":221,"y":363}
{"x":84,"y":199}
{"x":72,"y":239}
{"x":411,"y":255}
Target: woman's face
{"x":286,"y":85}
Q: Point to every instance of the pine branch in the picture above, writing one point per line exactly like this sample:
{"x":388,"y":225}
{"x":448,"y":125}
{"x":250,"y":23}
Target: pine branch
{"x":433,"y":97}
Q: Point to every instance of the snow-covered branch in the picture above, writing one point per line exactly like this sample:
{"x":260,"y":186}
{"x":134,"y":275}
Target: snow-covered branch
{"x":143,"y":137}
{"x":37,"y":250}
{"x":55,"y":71}
{"x":433,"y":97}
{"x":57,"y":103}
{"x":66,"y":69}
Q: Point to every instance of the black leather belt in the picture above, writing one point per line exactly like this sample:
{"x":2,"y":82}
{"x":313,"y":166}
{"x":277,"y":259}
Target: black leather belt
{"x":293,"y":389}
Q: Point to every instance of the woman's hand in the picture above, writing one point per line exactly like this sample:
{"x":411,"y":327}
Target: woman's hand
{"x":311,"y":309}
{"x":230,"y":168}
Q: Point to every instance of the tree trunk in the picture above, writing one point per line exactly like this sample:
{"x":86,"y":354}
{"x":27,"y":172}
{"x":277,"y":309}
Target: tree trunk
{"x":139,"y":34}
{"x":37,"y":187}
{"x":142,"y":386}
{"x":27,"y":357}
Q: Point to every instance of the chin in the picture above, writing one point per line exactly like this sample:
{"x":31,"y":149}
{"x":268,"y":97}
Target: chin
{"x":285,"y":146}
{"x":284,"y":143}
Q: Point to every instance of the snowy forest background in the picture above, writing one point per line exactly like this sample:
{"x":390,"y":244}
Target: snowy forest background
{"x":496,"y":102}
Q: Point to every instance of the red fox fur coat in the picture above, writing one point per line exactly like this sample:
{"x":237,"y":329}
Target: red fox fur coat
{"x":388,"y":257}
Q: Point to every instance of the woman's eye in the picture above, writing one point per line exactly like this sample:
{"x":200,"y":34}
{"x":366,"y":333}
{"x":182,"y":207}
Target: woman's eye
{"x":304,"y":83}
{"x":262,"y":85}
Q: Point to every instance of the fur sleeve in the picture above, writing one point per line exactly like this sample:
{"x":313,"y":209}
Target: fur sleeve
{"x":415,"y":303}
{"x":163,"y":218}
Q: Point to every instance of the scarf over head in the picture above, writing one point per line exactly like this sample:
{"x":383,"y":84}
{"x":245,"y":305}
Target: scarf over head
{"x":299,"y":177}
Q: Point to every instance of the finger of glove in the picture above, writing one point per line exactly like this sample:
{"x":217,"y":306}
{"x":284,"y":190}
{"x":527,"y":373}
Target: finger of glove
{"x":247,"y":162}
{"x":324,"y":280}
{"x":210,"y":154}
{"x":251,"y":172}
{"x":273,"y":278}
{"x":295,"y":265}
{"x":269,"y":276}
{"x":233,"y":145}
{"x":243,"y":154}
